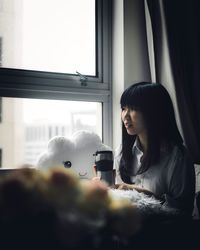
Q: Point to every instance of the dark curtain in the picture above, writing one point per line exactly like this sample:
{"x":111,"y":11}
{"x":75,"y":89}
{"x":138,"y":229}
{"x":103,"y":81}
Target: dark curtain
{"x":182,"y":20}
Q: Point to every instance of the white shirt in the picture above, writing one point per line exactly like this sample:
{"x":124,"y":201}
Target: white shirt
{"x":173,"y":177}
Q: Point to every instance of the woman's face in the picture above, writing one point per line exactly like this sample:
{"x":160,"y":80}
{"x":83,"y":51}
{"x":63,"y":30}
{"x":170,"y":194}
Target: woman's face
{"x":133,"y":121}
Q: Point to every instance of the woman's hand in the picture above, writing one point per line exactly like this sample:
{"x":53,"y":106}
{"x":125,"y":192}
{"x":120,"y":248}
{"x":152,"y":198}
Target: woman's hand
{"x":95,"y":178}
{"x":124,"y":186}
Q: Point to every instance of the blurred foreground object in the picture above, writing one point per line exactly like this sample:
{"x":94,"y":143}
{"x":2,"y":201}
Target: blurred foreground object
{"x":55,"y":209}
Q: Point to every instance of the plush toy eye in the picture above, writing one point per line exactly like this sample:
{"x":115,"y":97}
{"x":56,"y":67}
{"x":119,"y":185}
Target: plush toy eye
{"x":67,"y":164}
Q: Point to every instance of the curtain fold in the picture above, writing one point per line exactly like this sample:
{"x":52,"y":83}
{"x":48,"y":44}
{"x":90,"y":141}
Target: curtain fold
{"x":176,"y":38}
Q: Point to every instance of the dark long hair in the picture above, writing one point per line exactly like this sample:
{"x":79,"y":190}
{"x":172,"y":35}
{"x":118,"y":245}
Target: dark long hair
{"x":155,"y":104}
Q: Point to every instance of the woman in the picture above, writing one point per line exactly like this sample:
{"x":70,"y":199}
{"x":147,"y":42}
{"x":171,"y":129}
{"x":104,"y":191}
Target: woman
{"x":152,"y":158}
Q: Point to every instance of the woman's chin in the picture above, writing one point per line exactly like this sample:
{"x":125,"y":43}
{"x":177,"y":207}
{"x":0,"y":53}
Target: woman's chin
{"x":130,"y":131}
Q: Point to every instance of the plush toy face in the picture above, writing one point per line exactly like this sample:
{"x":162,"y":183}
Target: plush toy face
{"x":76,"y":153}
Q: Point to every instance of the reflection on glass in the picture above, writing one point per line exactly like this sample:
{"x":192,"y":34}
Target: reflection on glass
{"x":28,"y":124}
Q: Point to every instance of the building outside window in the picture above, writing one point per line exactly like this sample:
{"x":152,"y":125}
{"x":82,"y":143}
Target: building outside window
{"x":55,"y":73}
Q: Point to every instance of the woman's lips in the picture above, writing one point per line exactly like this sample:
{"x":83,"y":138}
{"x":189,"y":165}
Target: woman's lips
{"x":127,"y":125}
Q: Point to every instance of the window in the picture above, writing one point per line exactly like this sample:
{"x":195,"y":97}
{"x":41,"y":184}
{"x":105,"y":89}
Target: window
{"x":51,"y":55}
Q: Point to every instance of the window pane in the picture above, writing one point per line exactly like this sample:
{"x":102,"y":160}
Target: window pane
{"x":48,"y":35}
{"x":28,"y":124}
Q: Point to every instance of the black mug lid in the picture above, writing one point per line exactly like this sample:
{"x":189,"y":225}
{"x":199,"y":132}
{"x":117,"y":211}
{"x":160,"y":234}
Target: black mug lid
{"x":103,"y":156}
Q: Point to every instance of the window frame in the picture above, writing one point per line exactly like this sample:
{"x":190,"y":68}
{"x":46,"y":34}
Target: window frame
{"x":49,"y":85}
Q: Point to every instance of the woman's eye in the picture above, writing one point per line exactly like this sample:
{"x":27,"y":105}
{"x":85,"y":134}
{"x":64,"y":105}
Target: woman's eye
{"x":123,"y":108}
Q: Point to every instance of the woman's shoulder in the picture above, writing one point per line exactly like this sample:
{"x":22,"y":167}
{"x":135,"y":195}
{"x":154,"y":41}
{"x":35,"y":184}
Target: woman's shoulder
{"x":181,"y":151}
{"x":175,"y":156}
{"x":176,"y":151}
{"x":180,"y":155}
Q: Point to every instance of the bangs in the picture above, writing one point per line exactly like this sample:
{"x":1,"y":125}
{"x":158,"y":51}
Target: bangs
{"x":132,"y":98}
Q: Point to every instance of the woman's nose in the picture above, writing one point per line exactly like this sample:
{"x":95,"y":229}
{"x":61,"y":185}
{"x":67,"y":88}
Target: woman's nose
{"x":127,"y":112}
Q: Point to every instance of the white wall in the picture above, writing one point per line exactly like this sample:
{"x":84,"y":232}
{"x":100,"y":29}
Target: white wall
{"x":12,"y":133}
{"x":118,"y":66}
{"x":130,"y":54}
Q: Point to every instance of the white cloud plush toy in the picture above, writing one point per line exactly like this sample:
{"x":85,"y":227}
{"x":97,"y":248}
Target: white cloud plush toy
{"x":76,"y":153}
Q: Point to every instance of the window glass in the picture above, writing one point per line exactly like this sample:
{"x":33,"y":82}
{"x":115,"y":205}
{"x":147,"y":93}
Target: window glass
{"x":28,"y":124}
{"x":48,"y":35}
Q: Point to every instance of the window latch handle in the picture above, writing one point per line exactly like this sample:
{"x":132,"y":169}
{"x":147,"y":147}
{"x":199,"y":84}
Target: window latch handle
{"x":83,"y":79}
